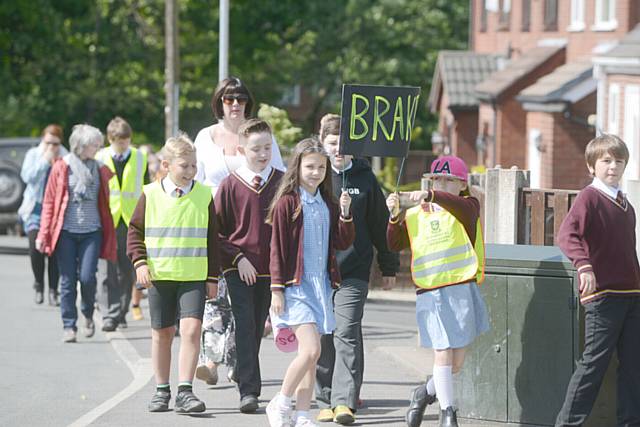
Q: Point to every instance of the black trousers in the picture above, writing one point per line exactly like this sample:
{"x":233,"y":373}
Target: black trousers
{"x":250,"y":306}
{"x":611,"y":323}
{"x":115,"y":293}
{"x":37,"y":265}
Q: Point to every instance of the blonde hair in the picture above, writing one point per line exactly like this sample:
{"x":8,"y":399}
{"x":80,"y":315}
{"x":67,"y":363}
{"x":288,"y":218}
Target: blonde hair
{"x":605,"y":144}
{"x":118,"y":128}
{"x":177,"y":146}
{"x":329,"y":125}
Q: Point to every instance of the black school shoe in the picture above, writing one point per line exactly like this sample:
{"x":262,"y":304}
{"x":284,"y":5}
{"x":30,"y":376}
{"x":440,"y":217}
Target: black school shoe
{"x":448,"y":418}
{"x":248,"y":404}
{"x":419,"y":401}
{"x":188,"y":403}
{"x":160,"y":401}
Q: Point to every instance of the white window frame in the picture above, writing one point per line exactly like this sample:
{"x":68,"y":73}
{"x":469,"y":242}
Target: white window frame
{"x":577,"y":16}
{"x":631,"y":131}
{"x":613,"y":109}
{"x":600,"y":23}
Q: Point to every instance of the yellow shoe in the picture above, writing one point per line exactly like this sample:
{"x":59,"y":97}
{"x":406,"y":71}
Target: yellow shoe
{"x":325,"y":415}
{"x":136,"y":312}
{"x":343,"y":415}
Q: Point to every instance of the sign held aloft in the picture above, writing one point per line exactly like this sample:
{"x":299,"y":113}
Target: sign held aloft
{"x":377,"y":120}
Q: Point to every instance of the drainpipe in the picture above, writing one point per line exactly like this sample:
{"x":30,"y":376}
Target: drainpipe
{"x":494,"y":125}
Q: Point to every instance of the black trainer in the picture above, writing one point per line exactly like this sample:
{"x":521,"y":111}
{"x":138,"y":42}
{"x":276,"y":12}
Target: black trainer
{"x":160,"y":401}
{"x":187,"y":403}
{"x":419,"y":401}
{"x":448,"y":417}
{"x":109,"y":325}
{"x":248,"y":404}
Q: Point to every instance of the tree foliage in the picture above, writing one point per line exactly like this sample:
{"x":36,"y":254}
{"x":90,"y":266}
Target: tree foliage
{"x":71,"y":61}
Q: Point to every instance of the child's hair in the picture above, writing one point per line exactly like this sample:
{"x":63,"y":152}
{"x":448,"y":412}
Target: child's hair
{"x":177,"y":146}
{"x":605,"y":144}
{"x":291,"y":179}
{"x":253,"y":126}
{"x":118,"y":128}
{"x":329,"y":125}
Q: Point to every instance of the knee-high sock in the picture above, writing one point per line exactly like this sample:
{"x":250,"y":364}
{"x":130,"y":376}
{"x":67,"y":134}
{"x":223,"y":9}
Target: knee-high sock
{"x":443,"y":381}
{"x":431,"y":387}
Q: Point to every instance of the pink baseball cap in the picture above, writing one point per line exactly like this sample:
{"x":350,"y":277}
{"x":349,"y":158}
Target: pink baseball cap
{"x":449,"y":166}
{"x":285,"y":340}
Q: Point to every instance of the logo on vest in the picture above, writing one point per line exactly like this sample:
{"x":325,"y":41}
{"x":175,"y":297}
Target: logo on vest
{"x":444,"y":168}
{"x":435,"y":226}
{"x":353,"y":190}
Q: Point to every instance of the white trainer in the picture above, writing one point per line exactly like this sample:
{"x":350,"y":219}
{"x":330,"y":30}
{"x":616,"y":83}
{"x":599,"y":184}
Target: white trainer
{"x":304,"y":422}
{"x":279,"y":415}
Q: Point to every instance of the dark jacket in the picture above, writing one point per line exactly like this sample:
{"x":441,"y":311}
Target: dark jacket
{"x":370,"y":217}
{"x":287,"y":250}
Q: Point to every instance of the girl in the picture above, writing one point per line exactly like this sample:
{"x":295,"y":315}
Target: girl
{"x":307,"y":229}
{"x":447,"y":251}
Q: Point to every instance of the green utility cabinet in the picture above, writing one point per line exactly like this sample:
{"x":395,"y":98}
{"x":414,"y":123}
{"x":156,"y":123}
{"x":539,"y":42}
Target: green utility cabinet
{"x":518,"y":372}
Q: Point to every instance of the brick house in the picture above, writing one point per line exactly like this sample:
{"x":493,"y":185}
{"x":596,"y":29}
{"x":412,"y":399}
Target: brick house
{"x":533,"y":111}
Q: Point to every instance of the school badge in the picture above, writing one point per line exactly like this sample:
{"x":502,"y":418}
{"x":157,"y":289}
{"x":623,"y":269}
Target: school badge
{"x":435,"y":226}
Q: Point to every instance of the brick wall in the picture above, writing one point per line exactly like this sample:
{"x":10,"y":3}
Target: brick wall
{"x":512,"y":141}
{"x":579,"y":43}
{"x":464,"y":136}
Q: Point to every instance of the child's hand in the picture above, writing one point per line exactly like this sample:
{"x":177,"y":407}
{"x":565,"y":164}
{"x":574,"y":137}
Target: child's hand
{"x":143,"y":276}
{"x":345,"y":203}
{"x":417,"y":196}
{"x":388,"y":282}
{"x":277,"y":302}
{"x":212,"y":290}
{"x":393,"y":204}
{"x":247,"y":271}
{"x":587,"y":283}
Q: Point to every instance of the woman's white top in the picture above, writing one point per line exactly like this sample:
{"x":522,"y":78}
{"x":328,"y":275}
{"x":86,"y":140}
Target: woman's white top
{"x":214,"y":166}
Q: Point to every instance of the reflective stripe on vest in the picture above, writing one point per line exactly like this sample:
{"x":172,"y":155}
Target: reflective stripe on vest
{"x":176,"y":232}
{"x":123,"y":198}
{"x":441,"y":250}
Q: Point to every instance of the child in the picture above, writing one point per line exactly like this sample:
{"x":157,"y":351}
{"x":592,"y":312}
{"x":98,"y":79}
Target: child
{"x":308,"y":227}
{"x":338,"y":389}
{"x":447,"y":251}
{"x":173,"y":244}
{"x":243,"y":199}
{"x":598,"y":236}
{"x":129,"y":166}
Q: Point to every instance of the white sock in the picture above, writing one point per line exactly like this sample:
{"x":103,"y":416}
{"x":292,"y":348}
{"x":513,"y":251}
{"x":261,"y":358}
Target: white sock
{"x":284,"y":400}
{"x":431,"y":387}
{"x":302,"y":414}
{"x":443,"y":381}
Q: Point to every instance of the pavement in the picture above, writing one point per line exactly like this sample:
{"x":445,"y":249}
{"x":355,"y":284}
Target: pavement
{"x":107,"y":380}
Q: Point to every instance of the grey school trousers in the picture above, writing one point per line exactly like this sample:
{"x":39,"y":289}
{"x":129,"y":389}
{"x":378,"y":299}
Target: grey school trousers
{"x":341,"y":365}
{"x":611,"y":323}
{"x":115,"y":292}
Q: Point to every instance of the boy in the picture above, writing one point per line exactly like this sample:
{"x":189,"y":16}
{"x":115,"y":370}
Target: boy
{"x":173,"y":244}
{"x":243,"y":200}
{"x":341,"y":364}
{"x":130,"y":173}
{"x":598,"y":236}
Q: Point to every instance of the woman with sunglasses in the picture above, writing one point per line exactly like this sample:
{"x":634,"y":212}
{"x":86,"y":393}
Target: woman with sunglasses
{"x":217,"y":145}
{"x":35,"y":172}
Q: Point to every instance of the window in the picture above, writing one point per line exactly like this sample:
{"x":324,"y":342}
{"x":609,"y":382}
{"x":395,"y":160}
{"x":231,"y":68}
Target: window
{"x":550,"y":15}
{"x":483,"y":16}
{"x":505,"y":15}
{"x":613,"y":107}
{"x":605,"y":15}
{"x":631,"y":134}
{"x":577,"y":15}
{"x":526,"y":15}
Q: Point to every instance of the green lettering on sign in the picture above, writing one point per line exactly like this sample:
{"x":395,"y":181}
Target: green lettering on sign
{"x":377,"y":115}
{"x":397,"y":118}
{"x":412,"y":109}
{"x":358,"y":117}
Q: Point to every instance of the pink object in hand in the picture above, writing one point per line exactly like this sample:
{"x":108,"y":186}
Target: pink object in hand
{"x":285,"y":340}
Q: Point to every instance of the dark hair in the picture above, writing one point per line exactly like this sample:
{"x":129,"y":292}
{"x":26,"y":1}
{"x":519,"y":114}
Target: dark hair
{"x":605,"y":144}
{"x":253,"y":126}
{"x":54,"y":130}
{"x":291,"y":179}
{"x":118,"y":128}
{"x":230,"y":86}
{"x":329,"y":125}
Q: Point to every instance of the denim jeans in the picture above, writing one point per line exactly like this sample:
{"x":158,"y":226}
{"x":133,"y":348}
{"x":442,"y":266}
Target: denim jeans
{"x":77,"y":256}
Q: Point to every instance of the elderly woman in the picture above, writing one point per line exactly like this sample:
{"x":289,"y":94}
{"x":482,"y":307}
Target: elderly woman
{"x":35,"y":172}
{"x":217,"y":145}
{"x":77,"y":225}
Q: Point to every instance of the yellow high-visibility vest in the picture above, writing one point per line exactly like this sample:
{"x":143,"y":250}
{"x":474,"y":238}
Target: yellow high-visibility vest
{"x":441,"y":251}
{"x":124,"y":197}
{"x":175,"y":233}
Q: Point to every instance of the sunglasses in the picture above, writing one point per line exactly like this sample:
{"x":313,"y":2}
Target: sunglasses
{"x":228,"y":99}
{"x":52,"y":143}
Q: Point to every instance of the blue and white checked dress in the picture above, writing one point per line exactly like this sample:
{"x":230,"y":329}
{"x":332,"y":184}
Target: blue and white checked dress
{"x":311,"y":301}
